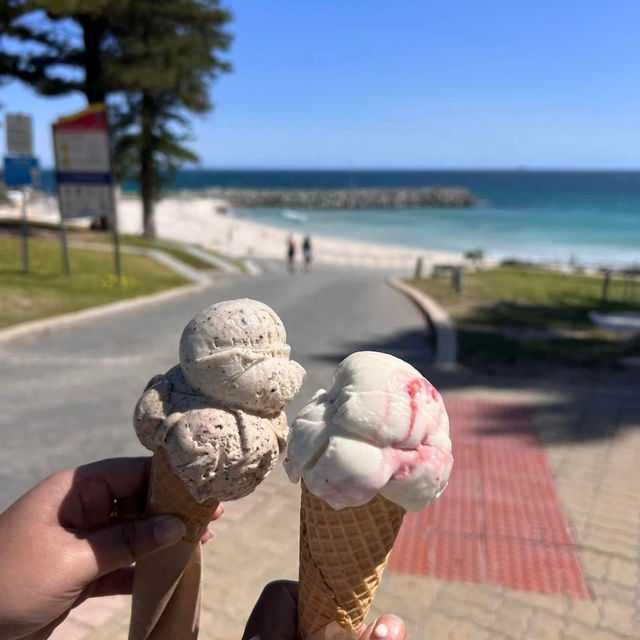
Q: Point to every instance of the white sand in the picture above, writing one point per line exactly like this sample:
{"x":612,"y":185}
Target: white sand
{"x":198,"y":220}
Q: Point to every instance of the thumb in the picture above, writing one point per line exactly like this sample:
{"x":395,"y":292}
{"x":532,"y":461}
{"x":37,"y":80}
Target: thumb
{"x":122,"y":544}
{"x":387,"y":627}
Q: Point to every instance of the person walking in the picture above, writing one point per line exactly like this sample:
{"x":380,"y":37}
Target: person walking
{"x":307,"y":252}
{"x":291,"y":254}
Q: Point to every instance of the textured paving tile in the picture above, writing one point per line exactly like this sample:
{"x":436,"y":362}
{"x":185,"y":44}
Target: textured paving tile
{"x":501,"y":520}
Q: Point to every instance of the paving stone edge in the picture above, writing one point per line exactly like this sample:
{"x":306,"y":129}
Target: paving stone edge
{"x":446,"y":341}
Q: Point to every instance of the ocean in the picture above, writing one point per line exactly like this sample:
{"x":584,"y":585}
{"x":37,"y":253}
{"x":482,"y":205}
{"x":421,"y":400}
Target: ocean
{"x":585,"y":217}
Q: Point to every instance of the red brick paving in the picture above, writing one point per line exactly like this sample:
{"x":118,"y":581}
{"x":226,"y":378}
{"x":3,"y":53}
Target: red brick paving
{"x":500,"y":521}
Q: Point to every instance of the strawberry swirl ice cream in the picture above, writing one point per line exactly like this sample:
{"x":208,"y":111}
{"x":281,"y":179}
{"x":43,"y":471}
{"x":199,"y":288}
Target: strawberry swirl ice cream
{"x":381,"y":428}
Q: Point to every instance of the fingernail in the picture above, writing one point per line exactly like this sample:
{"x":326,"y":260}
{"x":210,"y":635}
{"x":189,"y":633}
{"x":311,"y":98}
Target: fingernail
{"x":168,"y":529}
{"x":389,"y":626}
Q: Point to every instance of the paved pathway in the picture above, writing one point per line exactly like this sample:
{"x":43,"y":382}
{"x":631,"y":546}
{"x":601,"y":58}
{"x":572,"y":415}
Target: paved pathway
{"x":584,"y":437}
{"x":596,"y":483}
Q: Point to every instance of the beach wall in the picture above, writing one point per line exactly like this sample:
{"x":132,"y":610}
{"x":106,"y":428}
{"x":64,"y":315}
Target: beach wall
{"x":347,"y":198}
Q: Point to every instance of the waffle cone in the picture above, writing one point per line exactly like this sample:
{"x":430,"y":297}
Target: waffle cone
{"x":169,"y":495}
{"x":342,"y":556}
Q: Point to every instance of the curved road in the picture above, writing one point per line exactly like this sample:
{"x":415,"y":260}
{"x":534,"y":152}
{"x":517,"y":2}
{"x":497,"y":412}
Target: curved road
{"x":68,"y":398}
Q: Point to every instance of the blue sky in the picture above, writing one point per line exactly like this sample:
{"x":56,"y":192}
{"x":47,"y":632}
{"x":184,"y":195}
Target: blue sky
{"x":415,"y":84}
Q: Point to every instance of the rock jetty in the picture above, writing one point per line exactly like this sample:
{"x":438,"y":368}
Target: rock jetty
{"x":347,"y":198}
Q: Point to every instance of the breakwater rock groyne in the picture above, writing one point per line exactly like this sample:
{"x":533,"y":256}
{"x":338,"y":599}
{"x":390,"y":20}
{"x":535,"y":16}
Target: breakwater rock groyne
{"x":347,"y":198}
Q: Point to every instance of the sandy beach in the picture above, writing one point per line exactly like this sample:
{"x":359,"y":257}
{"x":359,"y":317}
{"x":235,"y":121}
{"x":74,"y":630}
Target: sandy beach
{"x":209,"y":222}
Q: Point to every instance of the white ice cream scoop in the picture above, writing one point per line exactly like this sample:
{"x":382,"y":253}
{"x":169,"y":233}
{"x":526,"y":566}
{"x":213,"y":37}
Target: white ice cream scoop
{"x":381,"y":428}
{"x":236,"y":352}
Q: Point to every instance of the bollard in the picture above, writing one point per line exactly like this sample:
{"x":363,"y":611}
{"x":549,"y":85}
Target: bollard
{"x":457,"y":278}
{"x":605,"y":287}
{"x":418,"y":272}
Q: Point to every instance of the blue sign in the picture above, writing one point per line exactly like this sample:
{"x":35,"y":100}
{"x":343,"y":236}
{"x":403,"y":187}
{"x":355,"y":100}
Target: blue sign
{"x":18,"y":171}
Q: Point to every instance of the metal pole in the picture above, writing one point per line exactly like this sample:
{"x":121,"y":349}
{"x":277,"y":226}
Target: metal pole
{"x":63,"y":226}
{"x":25,"y":233}
{"x":65,"y":246}
{"x":116,"y":235}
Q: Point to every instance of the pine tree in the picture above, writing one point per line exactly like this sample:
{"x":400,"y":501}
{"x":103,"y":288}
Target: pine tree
{"x":154,"y":59}
{"x":169,"y":50}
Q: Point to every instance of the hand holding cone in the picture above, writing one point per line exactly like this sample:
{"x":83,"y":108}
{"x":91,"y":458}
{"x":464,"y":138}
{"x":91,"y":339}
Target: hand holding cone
{"x":216,"y":427}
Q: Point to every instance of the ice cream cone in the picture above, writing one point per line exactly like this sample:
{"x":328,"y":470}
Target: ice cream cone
{"x":342,"y":556}
{"x":169,"y":495}
{"x":167,"y":584}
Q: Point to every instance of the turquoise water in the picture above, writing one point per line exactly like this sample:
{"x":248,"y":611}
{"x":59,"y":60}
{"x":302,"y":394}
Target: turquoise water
{"x":535,"y":234}
{"x":584,"y":234}
{"x":590,"y":217}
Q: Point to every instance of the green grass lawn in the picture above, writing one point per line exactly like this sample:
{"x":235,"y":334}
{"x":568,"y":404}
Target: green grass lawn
{"x":510,"y":313}
{"x":173,"y":249}
{"x":46,"y":291}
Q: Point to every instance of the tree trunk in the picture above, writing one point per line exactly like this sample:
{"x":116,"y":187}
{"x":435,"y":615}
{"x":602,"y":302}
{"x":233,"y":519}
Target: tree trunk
{"x":94,"y":81}
{"x":147,"y":169}
{"x":93,"y":33}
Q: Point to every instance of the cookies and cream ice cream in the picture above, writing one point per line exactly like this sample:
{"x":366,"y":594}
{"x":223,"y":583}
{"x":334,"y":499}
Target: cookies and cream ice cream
{"x":217,"y":416}
{"x":380,"y":428}
{"x":236,"y":353}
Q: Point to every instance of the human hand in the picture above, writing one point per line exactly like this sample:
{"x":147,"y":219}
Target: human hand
{"x":275,"y":614}
{"x":74,"y":536}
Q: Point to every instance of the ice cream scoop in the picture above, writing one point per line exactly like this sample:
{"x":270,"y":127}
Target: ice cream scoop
{"x":381,"y":428}
{"x":214,"y":451}
{"x":236,"y":353}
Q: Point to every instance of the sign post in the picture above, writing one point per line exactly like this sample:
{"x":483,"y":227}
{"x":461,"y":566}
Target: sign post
{"x":20,"y":167}
{"x":83,"y":171}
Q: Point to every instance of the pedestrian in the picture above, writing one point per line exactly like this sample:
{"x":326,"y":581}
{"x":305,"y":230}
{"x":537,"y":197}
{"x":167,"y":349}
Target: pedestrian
{"x":307,"y":252}
{"x":74,"y":536}
{"x":291,"y":254}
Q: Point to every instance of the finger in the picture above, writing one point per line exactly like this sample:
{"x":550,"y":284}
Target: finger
{"x":208,"y":534}
{"x":274,"y":616}
{"x":92,"y":489}
{"x":124,"y":476}
{"x":120,"y":545}
{"x":130,"y":508}
{"x":387,"y":627}
{"x":119,"y":582}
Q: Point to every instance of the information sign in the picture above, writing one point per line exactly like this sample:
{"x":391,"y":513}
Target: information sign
{"x":83,"y":166}
{"x":18,"y":128}
{"x":19,"y":171}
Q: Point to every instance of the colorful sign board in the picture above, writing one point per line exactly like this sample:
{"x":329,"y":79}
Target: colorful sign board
{"x":18,"y":128}
{"x":20,"y":171}
{"x":83,"y":163}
